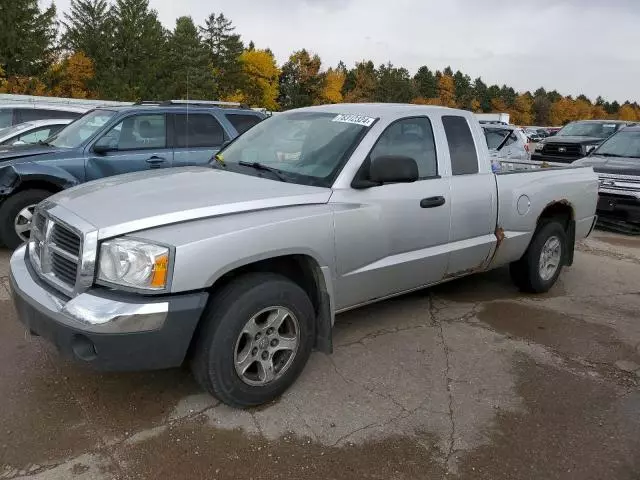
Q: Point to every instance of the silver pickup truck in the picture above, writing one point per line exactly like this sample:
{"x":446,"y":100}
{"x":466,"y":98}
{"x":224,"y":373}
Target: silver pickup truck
{"x":240,"y":268}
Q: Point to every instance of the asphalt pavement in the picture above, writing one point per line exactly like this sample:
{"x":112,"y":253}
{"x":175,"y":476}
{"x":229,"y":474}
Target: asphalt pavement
{"x":468,"y":380}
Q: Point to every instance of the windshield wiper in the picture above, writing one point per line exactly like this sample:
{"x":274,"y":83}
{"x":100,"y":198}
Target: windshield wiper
{"x":265,"y":168}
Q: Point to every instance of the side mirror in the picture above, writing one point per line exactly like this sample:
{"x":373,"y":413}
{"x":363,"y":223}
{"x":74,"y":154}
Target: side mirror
{"x":103,"y":145}
{"x":393,"y":169}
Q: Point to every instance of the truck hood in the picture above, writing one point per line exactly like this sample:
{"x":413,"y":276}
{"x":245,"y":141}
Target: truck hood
{"x":142,"y":200}
{"x":612,"y":165}
{"x":574,"y":140}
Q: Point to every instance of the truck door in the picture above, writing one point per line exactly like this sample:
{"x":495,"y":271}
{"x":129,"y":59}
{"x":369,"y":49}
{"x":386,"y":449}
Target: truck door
{"x":395,"y":239}
{"x":197,"y":138}
{"x":138,"y":142}
{"x":473,"y":200}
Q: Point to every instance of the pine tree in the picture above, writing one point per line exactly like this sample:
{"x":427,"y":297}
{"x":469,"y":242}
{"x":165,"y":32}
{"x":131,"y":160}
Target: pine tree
{"x":89,"y":29}
{"x":394,"y":85}
{"x":27,"y":37}
{"x":361,"y":83}
{"x":139,"y":59}
{"x":225,"y":48}
{"x":300,"y":81}
{"x":425,"y":83}
{"x":191,"y":75}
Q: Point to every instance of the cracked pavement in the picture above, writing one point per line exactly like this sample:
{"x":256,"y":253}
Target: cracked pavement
{"x":467,"y":380}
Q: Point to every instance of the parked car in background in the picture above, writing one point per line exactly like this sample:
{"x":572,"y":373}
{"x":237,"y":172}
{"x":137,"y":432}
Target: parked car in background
{"x":501,"y":118}
{"x":617,"y":163}
{"x":31,"y":132}
{"x":506,"y":142}
{"x":111,"y":141}
{"x":551,"y":131}
{"x":241,"y":268}
{"x":16,"y":113}
{"x":575,"y":140}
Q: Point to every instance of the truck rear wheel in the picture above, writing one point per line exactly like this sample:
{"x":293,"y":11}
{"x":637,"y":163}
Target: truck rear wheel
{"x":540,"y":266}
{"x":15,"y":216}
{"x":256,"y":338}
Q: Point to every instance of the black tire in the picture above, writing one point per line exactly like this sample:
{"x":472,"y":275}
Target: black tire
{"x":212,"y":361}
{"x":525,"y":273}
{"x":10,"y":209}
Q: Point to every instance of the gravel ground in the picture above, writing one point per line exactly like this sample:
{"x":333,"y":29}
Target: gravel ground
{"x":469,"y":380}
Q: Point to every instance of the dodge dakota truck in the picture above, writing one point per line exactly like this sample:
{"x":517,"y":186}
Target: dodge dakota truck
{"x":239,"y":268}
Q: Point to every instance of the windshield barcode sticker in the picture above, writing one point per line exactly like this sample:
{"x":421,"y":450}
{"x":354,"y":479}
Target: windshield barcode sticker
{"x":355,"y":119}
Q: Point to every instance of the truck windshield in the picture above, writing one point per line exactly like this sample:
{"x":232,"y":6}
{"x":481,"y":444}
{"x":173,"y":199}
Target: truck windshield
{"x":623,"y":144}
{"x":589,"y":129}
{"x":77,"y":132}
{"x":305,"y":147}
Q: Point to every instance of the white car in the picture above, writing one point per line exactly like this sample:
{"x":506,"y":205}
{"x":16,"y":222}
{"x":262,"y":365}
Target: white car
{"x":506,"y":142}
{"x":32,"y":132}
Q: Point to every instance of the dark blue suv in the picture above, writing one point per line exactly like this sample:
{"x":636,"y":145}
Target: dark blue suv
{"x":110,"y":141}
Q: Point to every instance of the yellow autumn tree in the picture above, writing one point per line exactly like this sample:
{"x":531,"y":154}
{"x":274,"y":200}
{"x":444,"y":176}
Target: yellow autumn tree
{"x":260,"y":83}
{"x":475,"y":105}
{"x":627,"y":112}
{"x":332,"y":86}
{"x":522,"y":111}
{"x":584,"y":110}
{"x":598,"y":112}
{"x":563,"y":111}
{"x":71,"y":77}
{"x":446,"y":91}
{"x":498,"y":105}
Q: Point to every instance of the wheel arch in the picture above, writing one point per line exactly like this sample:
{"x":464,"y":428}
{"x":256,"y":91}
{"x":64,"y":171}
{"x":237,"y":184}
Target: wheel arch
{"x":303,"y":269}
{"x":563,"y":212}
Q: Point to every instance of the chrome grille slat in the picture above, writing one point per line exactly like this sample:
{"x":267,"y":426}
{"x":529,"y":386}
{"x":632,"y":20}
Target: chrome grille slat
{"x":66,"y":240}
{"x":56,"y":252}
{"x":63,"y":253}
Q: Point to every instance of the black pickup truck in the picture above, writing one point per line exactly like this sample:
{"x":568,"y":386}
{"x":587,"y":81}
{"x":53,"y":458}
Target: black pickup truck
{"x":576,"y":140}
{"x":617,"y":163}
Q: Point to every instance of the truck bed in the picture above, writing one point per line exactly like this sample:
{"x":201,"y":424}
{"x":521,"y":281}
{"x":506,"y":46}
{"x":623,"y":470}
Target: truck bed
{"x":526,"y":188}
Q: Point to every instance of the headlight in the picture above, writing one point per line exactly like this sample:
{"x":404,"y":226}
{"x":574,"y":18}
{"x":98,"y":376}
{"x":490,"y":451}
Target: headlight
{"x":539,"y":146}
{"x":134,"y":264}
{"x":589,"y":148}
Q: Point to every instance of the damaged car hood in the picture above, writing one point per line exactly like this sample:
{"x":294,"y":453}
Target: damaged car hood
{"x":141,"y":200}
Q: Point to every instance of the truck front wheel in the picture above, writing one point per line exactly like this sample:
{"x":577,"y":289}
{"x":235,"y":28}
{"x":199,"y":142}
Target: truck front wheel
{"x":540,"y":266}
{"x":256,"y":338}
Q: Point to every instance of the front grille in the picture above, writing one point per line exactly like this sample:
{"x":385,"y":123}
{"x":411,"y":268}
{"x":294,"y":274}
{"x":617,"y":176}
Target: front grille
{"x":63,"y":268}
{"x":66,"y":239}
{"x":563,"y":149}
{"x":56,"y":252}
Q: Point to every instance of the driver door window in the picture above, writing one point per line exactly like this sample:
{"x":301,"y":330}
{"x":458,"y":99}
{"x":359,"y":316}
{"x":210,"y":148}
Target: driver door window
{"x":413,"y":138}
{"x":138,"y":132}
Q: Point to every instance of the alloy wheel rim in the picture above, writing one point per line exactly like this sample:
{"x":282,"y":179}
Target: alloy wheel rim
{"x":266,"y":346}
{"x":22,"y":222}
{"x":550,"y":257}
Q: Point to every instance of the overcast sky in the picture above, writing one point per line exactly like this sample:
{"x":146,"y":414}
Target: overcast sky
{"x":574,"y":46}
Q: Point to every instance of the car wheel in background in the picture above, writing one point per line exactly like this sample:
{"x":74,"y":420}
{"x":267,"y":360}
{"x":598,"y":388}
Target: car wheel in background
{"x":15,"y":216}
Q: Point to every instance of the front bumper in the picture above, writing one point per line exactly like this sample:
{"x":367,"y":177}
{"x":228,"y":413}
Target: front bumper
{"x":105,"y":329}
{"x":624,"y":208}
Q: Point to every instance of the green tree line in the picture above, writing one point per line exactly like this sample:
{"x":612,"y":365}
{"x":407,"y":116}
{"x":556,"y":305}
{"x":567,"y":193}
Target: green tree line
{"x":119,"y":50}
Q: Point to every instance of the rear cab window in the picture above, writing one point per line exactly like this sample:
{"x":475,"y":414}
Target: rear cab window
{"x":462,"y":149}
{"x":242,"y":121}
